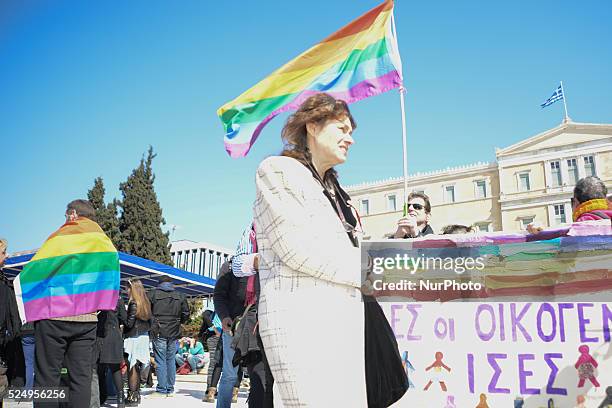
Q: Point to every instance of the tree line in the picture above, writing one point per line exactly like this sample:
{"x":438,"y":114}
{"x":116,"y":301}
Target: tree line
{"x":134,"y":222}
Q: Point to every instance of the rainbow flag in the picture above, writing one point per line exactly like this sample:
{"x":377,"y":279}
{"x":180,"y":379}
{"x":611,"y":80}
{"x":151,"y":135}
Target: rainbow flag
{"x":360,"y":60}
{"x":76,"y":271}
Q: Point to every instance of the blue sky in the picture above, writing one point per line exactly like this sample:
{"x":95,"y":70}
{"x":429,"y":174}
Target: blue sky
{"x":86,"y":87}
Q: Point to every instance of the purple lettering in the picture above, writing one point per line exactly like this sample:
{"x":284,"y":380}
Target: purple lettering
{"x":524,"y":373}
{"x":485,"y":336}
{"x":395,"y":320}
{"x":440,"y":333}
{"x":492,"y":357}
{"x":547,"y":307}
{"x":606,"y":315}
{"x":471,"y":372}
{"x":414,"y":312}
{"x":451,"y":328}
{"x":516,"y":321}
{"x":582,"y":323}
{"x":502,"y":323}
{"x":553,"y":375}
{"x":562,"y":319}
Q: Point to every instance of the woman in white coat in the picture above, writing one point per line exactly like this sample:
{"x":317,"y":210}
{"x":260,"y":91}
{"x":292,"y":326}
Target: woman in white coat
{"x":310,"y":310}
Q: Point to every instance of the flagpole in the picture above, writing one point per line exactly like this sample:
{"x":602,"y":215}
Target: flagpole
{"x":402,"y":91}
{"x":564,"y":104}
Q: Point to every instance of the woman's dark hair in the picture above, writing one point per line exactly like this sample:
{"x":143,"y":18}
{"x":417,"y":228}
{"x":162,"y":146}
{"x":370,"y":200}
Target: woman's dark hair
{"x":317,"y":109}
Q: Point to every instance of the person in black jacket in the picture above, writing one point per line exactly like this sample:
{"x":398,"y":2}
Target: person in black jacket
{"x":110,"y":344}
{"x":247,"y":343}
{"x":9,"y":319}
{"x":9,"y":327}
{"x":229,"y":296}
{"x":136,"y":344}
{"x":210,"y":335}
{"x":416,"y":222}
{"x":169,"y":309}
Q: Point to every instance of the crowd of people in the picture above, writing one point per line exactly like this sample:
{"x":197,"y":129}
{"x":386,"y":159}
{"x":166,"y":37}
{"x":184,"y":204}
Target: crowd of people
{"x":296,"y":271}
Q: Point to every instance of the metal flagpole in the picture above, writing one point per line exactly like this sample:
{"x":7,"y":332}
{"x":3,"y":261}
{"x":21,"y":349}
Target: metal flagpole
{"x":564,"y":104}
{"x":402,"y":91}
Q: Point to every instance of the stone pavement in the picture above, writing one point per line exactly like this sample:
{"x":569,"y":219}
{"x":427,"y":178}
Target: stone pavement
{"x":189,"y":393}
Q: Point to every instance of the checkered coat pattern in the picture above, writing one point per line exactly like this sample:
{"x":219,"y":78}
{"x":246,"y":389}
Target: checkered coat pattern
{"x":309,"y":273}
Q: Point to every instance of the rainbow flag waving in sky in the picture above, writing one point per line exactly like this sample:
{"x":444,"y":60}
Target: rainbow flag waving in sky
{"x":76,"y":271}
{"x":360,"y":60}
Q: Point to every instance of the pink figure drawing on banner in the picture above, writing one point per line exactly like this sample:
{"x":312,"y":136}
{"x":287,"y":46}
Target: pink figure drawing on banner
{"x":483,"y":402}
{"x":586,"y":365}
{"x":436,"y":374}
{"x":607,"y":402}
{"x":408,"y":366}
{"x":580,"y":400}
{"x":450,"y":402}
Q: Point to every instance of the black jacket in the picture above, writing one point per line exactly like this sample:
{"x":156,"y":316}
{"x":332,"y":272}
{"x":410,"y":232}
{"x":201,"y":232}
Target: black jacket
{"x":426,"y":231}
{"x":169,"y":309}
{"x":108,"y":333}
{"x":135,"y":327}
{"x":9,"y":315}
{"x":230,"y":293}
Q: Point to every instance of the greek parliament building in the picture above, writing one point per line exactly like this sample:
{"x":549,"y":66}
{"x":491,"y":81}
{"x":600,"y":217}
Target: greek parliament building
{"x":531,"y":182}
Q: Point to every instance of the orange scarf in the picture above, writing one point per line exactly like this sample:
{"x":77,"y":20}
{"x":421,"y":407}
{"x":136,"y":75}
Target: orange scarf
{"x":588,"y":206}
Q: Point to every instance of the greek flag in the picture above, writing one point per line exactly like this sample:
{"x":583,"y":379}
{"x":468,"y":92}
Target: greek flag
{"x":556,"y":96}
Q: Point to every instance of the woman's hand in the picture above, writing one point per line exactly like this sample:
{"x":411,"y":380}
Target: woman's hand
{"x":367,"y":287}
{"x":227,"y":324}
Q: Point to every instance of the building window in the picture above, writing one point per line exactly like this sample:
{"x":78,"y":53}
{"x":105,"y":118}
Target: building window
{"x":364,"y":207}
{"x":572,"y":171}
{"x":589,"y":166}
{"x":449,"y":194}
{"x":555,"y":173}
{"x":525,"y":221}
{"x":481,"y":189}
{"x":524,"y":184}
{"x":560,"y":214}
{"x":419,"y":191}
{"x":391,"y":203}
{"x":482,"y":226}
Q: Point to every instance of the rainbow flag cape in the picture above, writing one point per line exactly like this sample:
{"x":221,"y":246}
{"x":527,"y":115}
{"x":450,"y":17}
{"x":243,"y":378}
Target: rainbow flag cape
{"x":76,"y":271}
{"x":360,"y":60}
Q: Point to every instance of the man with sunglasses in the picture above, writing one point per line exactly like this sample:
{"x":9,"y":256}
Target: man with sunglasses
{"x":416,"y":222}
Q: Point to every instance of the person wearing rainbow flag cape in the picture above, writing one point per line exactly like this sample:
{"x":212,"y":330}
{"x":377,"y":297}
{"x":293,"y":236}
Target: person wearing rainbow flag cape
{"x":72,"y":276}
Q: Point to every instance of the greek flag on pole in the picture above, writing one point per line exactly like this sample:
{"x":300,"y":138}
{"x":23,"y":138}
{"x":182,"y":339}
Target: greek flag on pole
{"x":556,"y":96}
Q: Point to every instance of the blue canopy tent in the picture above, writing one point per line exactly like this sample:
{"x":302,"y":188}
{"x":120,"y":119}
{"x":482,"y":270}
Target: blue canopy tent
{"x":147,"y":271}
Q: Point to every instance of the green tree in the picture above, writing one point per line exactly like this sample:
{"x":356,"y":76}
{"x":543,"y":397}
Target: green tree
{"x":106,"y":214}
{"x":141,"y":216}
{"x":192,"y":326}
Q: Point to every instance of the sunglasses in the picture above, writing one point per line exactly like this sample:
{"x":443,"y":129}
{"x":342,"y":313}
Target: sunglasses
{"x":417,"y":207}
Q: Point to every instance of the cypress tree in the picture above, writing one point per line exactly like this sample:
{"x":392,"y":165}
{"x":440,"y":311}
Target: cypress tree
{"x":106,"y":215}
{"x":141,"y":216}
